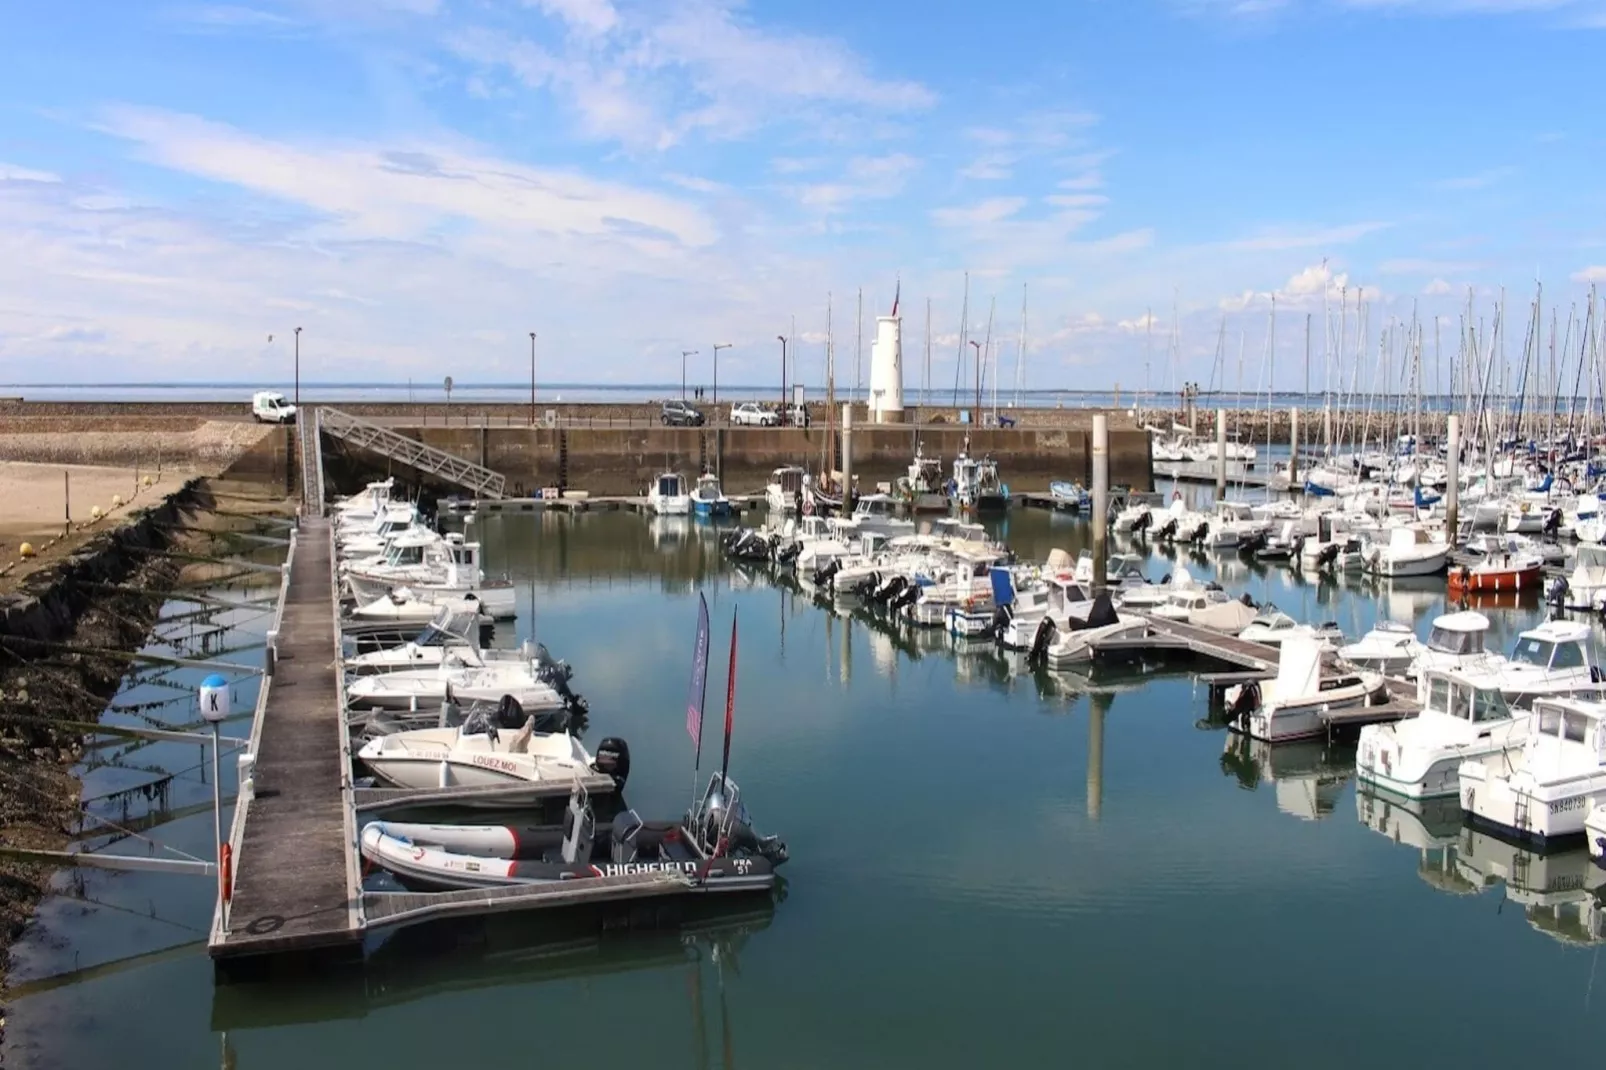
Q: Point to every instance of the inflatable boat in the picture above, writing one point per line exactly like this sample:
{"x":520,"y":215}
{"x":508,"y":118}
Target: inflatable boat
{"x":712,"y":849}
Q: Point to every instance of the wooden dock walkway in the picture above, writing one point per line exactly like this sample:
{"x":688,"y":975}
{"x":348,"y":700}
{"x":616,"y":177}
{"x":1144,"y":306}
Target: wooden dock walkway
{"x":295,"y":870}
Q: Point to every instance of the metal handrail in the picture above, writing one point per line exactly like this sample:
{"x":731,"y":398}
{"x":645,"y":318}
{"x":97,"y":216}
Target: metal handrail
{"x":477,"y":478}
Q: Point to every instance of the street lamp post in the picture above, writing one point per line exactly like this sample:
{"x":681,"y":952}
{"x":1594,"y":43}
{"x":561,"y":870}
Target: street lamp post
{"x":717,"y":347}
{"x":782,"y":339}
{"x":298,"y":373}
{"x":684,"y":353}
{"x":532,"y":378}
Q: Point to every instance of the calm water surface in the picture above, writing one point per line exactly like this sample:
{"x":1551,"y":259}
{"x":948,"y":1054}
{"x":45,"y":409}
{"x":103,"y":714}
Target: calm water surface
{"x":987,"y":865}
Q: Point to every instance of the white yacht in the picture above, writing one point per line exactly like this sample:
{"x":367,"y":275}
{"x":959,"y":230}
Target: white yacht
{"x":449,"y":629}
{"x":1292,"y":705}
{"x":784,"y":489}
{"x":667,"y":495}
{"x":1409,"y":551}
{"x":1391,"y":647}
{"x":458,"y":679}
{"x":443,"y":757}
{"x":1551,"y":660}
{"x":708,"y":498}
{"x":874,"y":513}
{"x":1273,"y":627}
{"x":1465,"y":718}
{"x":1545,"y":789}
{"x":1586,"y":584}
{"x":1454,"y":641}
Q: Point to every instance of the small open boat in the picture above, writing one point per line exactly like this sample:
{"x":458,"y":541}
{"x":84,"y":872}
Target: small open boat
{"x":711,"y":849}
{"x":1519,"y":570}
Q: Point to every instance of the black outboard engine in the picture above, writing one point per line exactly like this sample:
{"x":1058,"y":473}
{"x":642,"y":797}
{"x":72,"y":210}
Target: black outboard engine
{"x":892,"y":589}
{"x":822,"y":576}
{"x":1553,"y":522}
{"x":1328,"y":556}
{"x":613,"y":759}
{"x":557,"y":678}
{"x":1141,"y":524}
{"x":906,"y":597}
{"x":1247,"y":702}
{"x":1249,"y":601}
{"x":1037,"y":654}
{"x":1001,"y":618}
{"x":1203,"y":534}
{"x":1168,"y":531}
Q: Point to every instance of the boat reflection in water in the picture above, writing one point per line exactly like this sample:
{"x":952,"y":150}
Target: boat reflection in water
{"x":509,"y":953}
{"x":1562,"y":893}
{"x":1307,"y":776}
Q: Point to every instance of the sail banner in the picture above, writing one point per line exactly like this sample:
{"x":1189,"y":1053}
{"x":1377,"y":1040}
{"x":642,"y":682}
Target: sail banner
{"x":699,"y":678}
{"x":730,"y":698}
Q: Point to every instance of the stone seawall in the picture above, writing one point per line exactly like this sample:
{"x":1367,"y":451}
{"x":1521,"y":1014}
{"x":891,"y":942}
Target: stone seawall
{"x":624,"y":460}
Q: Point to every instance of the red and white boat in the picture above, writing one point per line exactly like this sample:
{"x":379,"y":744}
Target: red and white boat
{"x":1516,"y":570}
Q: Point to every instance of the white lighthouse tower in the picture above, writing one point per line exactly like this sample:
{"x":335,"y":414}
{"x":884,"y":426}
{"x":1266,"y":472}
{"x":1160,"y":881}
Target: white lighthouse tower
{"x":886,"y":369}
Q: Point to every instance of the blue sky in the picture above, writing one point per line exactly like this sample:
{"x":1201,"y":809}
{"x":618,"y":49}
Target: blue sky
{"x":421,"y":183}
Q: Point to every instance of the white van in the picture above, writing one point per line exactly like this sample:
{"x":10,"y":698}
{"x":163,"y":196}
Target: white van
{"x":270,"y":407}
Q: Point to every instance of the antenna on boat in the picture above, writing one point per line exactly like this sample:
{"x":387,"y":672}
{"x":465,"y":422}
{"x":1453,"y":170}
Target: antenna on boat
{"x":730,"y":703}
{"x":698,"y":691}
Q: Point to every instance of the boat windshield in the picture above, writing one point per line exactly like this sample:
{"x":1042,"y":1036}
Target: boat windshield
{"x":1563,"y":724}
{"x":1590,"y":556}
{"x":1454,"y":641}
{"x":1532,"y":651}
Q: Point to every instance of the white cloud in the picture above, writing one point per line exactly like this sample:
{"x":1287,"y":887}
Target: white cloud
{"x":12,"y":173}
{"x":1437,"y":288}
{"x":990,"y":166}
{"x":868,"y":178}
{"x":991,"y":210}
{"x":1479,"y":180}
{"x":404,"y":192}
{"x":650,"y":75}
{"x":1284,"y":238}
{"x":1144,"y":323}
{"x":1593,"y":273}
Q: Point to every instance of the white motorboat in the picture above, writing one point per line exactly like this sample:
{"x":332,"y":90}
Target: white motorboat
{"x":874,"y":513}
{"x":708,"y":499}
{"x":1409,"y":551}
{"x":363,"y":506}
{"x":1391,"y":647}
{"x":1586,"y":585}
{"x":475,"y":755}
{"x":406,"y":605}
{"x":1070,"y":640}
{"x":1135,"y":516}
{"x":446,"y":630}
{"x":1454,"y":641}
{"x":1554,"y":659}
{"x":459,"y":679}
{"x":1293,"y":704}
{"x":1273,"y":627}
{"x":1465,"y":718}
{"x":667,"y":495}
{"x":1546,"y":788}
{"x":922,"y":489}
{"x":785,"y":489}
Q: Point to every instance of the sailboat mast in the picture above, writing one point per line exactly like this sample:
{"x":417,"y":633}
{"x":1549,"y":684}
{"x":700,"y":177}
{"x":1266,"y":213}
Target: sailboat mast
{"x":830,"y":395}
{"x":1020,"y":347}
{"x":964,"y":325}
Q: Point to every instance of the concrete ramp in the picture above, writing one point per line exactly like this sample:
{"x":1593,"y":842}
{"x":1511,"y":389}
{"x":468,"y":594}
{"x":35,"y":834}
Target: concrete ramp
{"x":481,"y":481}
{"x":310,"y":446}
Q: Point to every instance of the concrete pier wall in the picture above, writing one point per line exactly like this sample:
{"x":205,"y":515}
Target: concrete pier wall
{"x":622,"y":461}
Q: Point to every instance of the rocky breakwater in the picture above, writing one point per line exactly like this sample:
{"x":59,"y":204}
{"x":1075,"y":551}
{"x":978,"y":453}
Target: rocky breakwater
{"x":58,"y":627}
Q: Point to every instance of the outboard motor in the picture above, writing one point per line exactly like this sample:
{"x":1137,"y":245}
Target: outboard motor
{"x":557,"y":678}
{"x":1249,"y":601}
{"x":1168,"y":531}
{"x":1552,"y":522}
{"x":906,"y":597}
{"x":1001,"y":618}
{"x":1247,"y":702}
{"x":890,"y":590}
{"x":1038,"y":653}
{"x":1203,"y":534}
{"x":1328,"y":556}
{"x":1140,"y":526}
{"x":822,"y":576}
{"x":613,"y":759}
{"x":1556,"y":595}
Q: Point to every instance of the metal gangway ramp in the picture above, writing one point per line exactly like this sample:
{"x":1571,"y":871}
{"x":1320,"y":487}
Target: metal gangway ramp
{"x":310,"y":446}
{"x":483,"y":482}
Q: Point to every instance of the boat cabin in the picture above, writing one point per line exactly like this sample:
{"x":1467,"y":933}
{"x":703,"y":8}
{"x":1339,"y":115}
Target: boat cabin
{"x":670,"y":485}
{"x":1556,"y":645}
{"x":708,"y":489}
{"x":1471,"y":696}
{"x":788,"y":480}
{"x":462,"y":554}
{"x":925,"y":473}
{"x":1458,"y":633}
{"x":877,"y":506}
{"x":408,"y":550}
{"x":1567,"y":734}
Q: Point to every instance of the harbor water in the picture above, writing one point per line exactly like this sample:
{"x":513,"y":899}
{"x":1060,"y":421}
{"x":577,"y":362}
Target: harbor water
{"x":989,"y":865}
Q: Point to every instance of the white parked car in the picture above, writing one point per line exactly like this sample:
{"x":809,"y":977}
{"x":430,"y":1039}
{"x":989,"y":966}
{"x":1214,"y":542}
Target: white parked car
{"x":752,"y":414}
{"x":271,"y":407}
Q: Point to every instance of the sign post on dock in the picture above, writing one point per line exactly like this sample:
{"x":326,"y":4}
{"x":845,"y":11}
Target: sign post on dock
{"x":214,"y":697}
{"x":1101,"y":502}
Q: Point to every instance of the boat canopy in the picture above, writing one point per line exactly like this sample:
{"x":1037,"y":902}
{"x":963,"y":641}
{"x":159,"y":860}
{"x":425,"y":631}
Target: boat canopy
{"x":1458,"y":633}
{"x":1467,"y":697}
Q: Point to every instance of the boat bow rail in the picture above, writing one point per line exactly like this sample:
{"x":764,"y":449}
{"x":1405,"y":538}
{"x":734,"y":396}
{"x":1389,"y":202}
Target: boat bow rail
{"x":483,"y":482}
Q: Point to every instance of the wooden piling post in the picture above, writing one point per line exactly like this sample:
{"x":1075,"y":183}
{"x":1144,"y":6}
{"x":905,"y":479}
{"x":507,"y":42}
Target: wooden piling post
{"x":1101,"y":500}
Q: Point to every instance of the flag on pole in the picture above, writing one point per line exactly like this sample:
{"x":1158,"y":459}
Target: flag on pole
{"x":699,"y":679}
{"x":896,"y":293}
{"x":730,"y":700}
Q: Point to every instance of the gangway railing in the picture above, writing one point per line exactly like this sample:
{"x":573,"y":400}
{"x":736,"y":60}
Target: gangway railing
{"x":483,"y":482}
